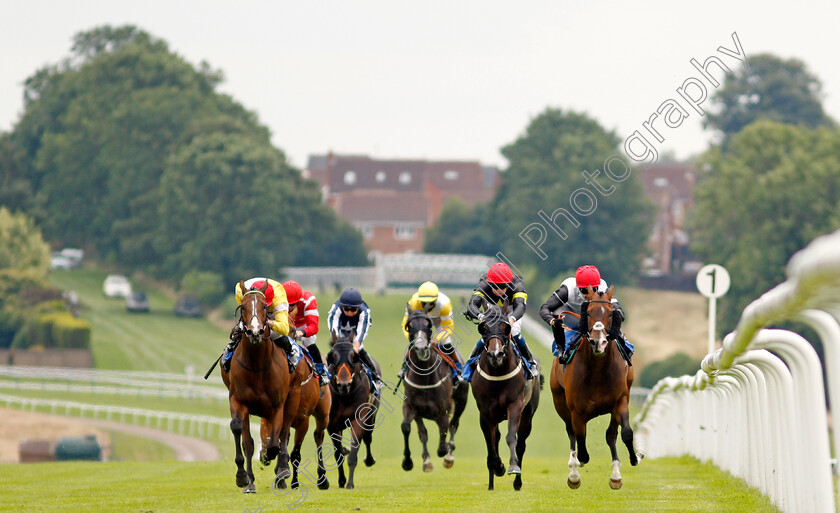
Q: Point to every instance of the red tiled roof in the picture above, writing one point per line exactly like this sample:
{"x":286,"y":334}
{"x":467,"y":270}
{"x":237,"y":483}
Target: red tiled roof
{"x":382,"y":206}
{"x":676,"y":177}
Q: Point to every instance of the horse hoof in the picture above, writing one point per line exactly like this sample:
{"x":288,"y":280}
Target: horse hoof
{"x":500,"y":470}
{"x":250,"y":488}
{"x":341,"y":483}
{"x":448,"y":461}
{"x":574,"y":485}
{"x":369,"y":461}
{"x":427,"y":466}
{"x":281,"y":484}
{"x":442,"y":451}
{"x":407,"y":464}
{"x":514,"y":469}
{"x":349,"y":486}
{"x":638,"y":459}
{"x":615,"y":485}
{"x":324,"y":484}
{"x":517,"y":483}
{"x":242,"y":479}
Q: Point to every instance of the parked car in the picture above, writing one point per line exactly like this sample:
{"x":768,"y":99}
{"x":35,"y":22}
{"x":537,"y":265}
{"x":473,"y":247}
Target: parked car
{"x":188,"y":306}
{"x":59,"y":261}
{"x":137,"y":301}
{"x":116,"y":285}
{"x":67,"y":258}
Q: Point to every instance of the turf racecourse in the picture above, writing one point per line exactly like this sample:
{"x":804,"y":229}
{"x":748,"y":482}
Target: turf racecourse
{"x":160,"y":341}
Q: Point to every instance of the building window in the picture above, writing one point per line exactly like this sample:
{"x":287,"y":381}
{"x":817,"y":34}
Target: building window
{"x":404,"y":232}
{"x":405,"y":178}
{"x":450,"y":175}
{"x":380,"y":176}
{"x":349,"y":177}
{"x":366,"y":229}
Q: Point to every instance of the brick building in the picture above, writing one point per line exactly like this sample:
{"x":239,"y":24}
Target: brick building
{"x":393,"y":202}
{"x":671,"y":187}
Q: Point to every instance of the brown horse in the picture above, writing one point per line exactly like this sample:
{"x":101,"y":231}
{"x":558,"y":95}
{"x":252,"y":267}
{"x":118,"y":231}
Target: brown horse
{"x":354,"y":406}
{"x":258,"y":383}
{"x":429,"y":393}
{"x":502,"y":392}
{"x":596,"y":382}
{"x":306,"y":398}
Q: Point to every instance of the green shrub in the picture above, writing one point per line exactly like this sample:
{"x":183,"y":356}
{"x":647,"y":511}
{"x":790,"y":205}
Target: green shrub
{"x":59,"y":330}
{"x":206,"y":286}
{"x":70,"y":332}
{"x":678,"y":364}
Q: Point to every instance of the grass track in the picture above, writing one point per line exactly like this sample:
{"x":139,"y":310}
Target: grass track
{"x":168,"y":343}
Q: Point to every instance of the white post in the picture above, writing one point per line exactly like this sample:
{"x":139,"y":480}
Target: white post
{"x":712,"y":320}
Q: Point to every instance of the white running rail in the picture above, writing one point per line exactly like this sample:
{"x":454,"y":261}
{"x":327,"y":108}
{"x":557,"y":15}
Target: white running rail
{"x":757,"y":407}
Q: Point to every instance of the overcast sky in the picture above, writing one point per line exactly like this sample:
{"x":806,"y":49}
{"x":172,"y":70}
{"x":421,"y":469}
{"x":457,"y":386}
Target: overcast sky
{"x":438,"y":80}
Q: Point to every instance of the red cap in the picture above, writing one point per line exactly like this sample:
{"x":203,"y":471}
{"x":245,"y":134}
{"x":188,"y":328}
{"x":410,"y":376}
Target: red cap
{"x":499,"y":273}
{"x":588,"y":275}
{"x":269,"y":291}
{"x":293,"y":292}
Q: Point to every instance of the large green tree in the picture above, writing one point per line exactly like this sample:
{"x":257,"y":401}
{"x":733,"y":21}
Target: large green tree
{"x":768,"y":88}
{"x":22,"y":248}
{"x":462,"y":229}
{"x":775,"y":189}
{"x":123,"y":126}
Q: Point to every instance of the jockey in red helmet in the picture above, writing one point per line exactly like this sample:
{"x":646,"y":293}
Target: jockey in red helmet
{"x":569,"y":297}
{"x":303,"y":315}
{"x":499,"y":287}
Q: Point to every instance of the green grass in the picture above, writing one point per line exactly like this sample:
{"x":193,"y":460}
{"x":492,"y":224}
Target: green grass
{"x":162,"y":342}
{"x":667,"y":485}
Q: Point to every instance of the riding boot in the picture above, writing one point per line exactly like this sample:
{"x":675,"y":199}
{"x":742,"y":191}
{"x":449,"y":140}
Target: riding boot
{"x":628,"y":349}
{"x":234,"y":341}
{"x":323,"y":375}
{"x":368,"y":361}
{"x":526,"y":354}
{"x":286,"y":344}
{"x":472,"y":361}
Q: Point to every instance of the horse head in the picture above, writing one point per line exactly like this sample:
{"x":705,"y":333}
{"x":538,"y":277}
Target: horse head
{"x":343,"y":363}
{"x":253,"y":312}
{"x":419,"y":328}
{"x":596,"y":316}
{"x":495,"y":332}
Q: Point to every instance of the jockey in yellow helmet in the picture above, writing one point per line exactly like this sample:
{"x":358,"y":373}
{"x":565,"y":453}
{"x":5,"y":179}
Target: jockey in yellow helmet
{"x":437,"y":306}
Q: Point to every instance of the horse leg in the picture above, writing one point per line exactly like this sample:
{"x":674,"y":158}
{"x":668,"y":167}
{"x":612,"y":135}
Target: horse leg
{"x":579,"y":426}
{"x":514,"y":416}
{"x":408,"y":416}
{"x":238,"y":412}
{"x":460,"y":400}
{"x":612,"y":433}
{"x":248,"y":446}
{"x":339,"y":457}
{"x":300,"y":434}
{"x":627,"y":431}
{"x":318,"y":435}
{"x":525,"y":425}
{"x":356,"y":432}
{"x":367,"y":438}
{"x":490,"y":431}
{"x":443,"y":427}
{"x":424,"y":438}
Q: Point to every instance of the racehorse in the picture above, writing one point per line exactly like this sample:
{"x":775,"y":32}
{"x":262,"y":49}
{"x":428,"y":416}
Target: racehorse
{"x":354,"y":406}
{"x":502,"y":392}
{"x":258,"y":384}
{"x":429,"y":393}
{"x":306,"y":398}
{"x":597,"y":381}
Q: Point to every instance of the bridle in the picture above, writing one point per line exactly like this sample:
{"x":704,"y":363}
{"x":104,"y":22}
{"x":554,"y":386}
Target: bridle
{"x":254,"y":324}
{"x":344,"y":370}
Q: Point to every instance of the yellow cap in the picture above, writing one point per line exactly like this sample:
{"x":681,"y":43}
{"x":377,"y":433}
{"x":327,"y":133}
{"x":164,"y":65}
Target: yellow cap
{"x":428,"y":292}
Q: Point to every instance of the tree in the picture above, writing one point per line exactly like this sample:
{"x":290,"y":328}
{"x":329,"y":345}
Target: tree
{"x":769,"y":88}
{"x":461,"y":229}
{"x":22,"y":248}
{"x":774,"y":190}
{"x":546,"y":173}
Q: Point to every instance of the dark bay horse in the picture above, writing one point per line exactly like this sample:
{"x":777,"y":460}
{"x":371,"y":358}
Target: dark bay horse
{"x":354,"y":407}
{"x":306,"y":398}
{"x":596,"y":382}
{"x":429,"y":392}
{"x":258,"y":383}
{"x":501,"y":392}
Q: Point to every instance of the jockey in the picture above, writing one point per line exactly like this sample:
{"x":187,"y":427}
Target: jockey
{"x":437,"y":306}
{"x":278,"y":320}
{"x":569,"y":297}
{"x":351,"y":314}
{"x":501,"y":287}
{"x":303,"y":310}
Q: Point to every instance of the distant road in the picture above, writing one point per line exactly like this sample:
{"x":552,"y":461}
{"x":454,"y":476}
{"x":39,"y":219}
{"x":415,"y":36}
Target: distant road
{"x":186,"y":448}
